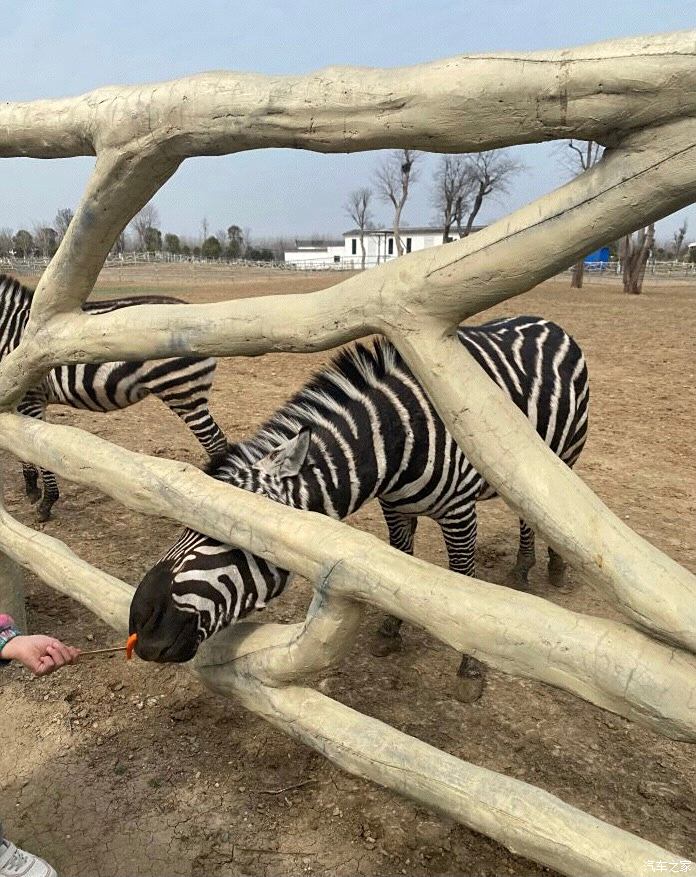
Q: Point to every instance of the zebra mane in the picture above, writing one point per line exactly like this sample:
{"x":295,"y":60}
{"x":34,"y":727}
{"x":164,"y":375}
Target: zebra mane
{"x":354,"y":370}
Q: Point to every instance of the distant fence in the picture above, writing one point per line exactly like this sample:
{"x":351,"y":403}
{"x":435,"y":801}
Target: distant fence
{"x":37,"y":264}
{"x":664,"y":269}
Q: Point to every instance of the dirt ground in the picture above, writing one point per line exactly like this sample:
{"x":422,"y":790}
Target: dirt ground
{"x":115,"y":769}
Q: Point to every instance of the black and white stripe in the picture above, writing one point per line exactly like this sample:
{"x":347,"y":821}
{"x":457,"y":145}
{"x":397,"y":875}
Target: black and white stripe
{"x":364,"y":429}
{"x":183,"y":384}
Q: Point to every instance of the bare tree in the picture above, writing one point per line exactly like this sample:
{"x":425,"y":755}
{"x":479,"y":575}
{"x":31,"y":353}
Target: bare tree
{"x":490,"y":173}
{"x":275,"y":246}
{"x":119,"y":246}
{"x":392,"y":181}
{"x":452,"y":190}
{"x":5,"y":241}
{"x":62,"y":221}
{"x":141,"y":223}
{"x":634,"y":250}
{"x":579,"y":156}
{"x":45,"y":239}
{"x":221,"y":235}
{"x":679,"y":236}
{"x":204,"y":229}
{"x":358,"y":208}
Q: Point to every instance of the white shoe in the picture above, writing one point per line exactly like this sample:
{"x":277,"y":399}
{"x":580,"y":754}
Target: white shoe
{"x":18,"y":863}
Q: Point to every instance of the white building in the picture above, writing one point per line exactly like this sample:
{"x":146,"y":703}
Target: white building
{"x":379,"y":247}
{"x":316,"y":254}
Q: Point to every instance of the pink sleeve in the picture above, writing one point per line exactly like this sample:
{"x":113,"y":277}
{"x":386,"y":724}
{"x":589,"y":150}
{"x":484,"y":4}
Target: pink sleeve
{"x":6,"y":621}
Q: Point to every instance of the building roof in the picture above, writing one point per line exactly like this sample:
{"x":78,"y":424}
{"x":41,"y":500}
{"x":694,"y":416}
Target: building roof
{"x":407,"y":230}
{"x":316,"y":244}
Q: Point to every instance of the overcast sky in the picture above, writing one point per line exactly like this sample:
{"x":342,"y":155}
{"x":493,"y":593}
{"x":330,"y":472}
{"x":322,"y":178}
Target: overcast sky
{"x":52,"y":48}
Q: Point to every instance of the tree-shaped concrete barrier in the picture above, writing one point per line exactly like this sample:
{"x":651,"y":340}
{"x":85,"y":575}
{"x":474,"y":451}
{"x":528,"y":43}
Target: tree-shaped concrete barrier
{"x":638,"y":98}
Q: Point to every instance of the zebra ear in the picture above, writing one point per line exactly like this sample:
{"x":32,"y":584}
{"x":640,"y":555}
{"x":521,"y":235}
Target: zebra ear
{"x":287,"y":459}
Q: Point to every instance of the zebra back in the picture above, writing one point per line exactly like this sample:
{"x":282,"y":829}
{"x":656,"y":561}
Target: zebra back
{"x":16,"y":301}
{"x":375,"y":432}
{"x":364,"y":428}
{"x":129,"y":301}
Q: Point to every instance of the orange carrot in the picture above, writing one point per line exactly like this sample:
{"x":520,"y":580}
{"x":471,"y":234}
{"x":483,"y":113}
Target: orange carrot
{"x":130,"y":645}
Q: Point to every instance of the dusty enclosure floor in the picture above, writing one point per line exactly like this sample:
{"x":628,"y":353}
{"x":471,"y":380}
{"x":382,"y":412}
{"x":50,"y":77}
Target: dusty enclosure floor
{"x":111,"y":769}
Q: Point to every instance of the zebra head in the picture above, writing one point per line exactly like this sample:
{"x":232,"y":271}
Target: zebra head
{"x":201,"y":585}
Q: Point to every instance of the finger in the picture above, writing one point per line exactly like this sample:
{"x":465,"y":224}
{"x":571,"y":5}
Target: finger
{"x":59,"y":652}
{"x":44,"y":666}
{"x":74,"y":654}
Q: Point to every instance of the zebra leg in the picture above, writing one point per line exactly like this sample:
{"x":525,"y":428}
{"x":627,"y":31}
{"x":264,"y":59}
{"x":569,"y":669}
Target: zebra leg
{"x":459,"y":532}
{"x":188,"y":399}
{"x":526,"y":558}
{"x":50,"y":496}
{"x":556,"y":569}
{"x":401,"y":532}
{"x":34,"y":405}
{"x":31,"y":482}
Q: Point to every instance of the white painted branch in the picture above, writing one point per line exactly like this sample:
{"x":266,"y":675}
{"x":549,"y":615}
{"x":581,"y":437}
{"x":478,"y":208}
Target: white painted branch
{"x":647,"y":585}
{"x":658,"y":594}
{"x":54,"y":563}
{"x":631,"y":186}
{"x":524,"y":818}
{"x":121,"y":183}
{"x":602,"y":661}
{"x":466,"y":103}
{"x":287,"y":653}
{"x":451,"y":282}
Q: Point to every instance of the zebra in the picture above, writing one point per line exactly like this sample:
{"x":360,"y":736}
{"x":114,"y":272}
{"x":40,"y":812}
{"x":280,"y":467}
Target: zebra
{"x":363,"y":428}
{"x":183,"y":383}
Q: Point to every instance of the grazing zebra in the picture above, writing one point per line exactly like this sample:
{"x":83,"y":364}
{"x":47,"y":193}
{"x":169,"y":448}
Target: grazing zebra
{"x":183,"y":384}
{"x":361,"y":429}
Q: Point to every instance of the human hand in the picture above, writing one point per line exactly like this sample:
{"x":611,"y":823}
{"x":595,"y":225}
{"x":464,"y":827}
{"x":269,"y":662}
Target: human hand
{"x":39,"y":654}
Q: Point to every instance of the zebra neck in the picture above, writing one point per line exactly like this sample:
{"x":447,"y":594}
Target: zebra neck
{"x":347,"y":468}
{"x":370,"y":424}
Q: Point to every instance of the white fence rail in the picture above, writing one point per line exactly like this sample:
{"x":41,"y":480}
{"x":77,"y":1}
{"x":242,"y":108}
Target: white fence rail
{"x":37,"y":265}
{"x":661,"y":269}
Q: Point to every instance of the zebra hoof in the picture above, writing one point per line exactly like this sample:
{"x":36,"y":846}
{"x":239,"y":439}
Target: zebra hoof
{"x":43,"y":513}
{"x":557,"y":577}
{"x":517,"y":579}
{"x":471,"y":678}
{"x":383,"y":645}
{"x":468,"y":689}
{"x":33,"y":494}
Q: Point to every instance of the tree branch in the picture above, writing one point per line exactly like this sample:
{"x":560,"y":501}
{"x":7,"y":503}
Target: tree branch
{"x":596,"y":92}
{"x":515,"y":632}
{"x":525,"y":819}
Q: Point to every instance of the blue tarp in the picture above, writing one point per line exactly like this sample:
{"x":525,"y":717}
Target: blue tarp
{"x":601,"y":255}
